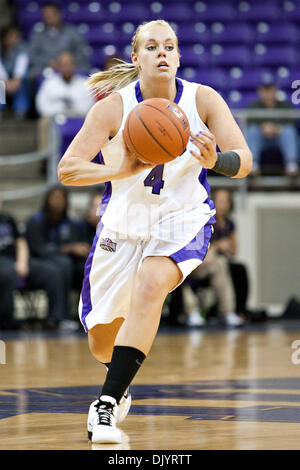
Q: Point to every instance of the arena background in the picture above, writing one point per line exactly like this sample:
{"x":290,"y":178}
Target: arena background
{"x":229,"y":46}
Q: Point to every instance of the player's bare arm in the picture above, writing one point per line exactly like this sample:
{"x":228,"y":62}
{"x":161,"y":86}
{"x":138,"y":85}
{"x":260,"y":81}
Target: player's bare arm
{"x":103,"y":121}
{"x":223,"y":131}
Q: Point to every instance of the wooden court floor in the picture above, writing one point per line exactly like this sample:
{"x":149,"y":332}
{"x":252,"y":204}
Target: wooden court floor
{"x":198,"y":389}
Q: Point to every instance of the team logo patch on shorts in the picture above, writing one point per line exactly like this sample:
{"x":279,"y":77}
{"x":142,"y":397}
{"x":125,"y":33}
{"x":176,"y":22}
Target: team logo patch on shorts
{"x":107,"y":244}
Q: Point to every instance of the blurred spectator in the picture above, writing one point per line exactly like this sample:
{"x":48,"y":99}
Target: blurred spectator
{"x":263,"y":133}
{"x":227,"y":278}
{"x":224,"y":241}
{"x":215,"y":270}
{"x":64,"y":92}
{"x":53,"y":236}
{"x":87,"y":226}
{"x":18,"y":269}
{"x":14,"y":62}
{"x":54,"y":38}
{"x":87,"y":229}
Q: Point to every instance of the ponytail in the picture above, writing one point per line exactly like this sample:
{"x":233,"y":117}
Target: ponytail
{"x":116,"y":77}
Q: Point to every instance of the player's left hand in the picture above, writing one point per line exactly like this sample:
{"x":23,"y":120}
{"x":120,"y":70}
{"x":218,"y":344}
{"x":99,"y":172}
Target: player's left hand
{"x":205,"y":142}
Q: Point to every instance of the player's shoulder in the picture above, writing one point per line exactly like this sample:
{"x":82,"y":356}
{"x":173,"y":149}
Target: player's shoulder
{"x":109,"y":111}
{"x":113,"y":102}
{"x":207,"y":92}
{"x":110,"y":107}
{"x":203,"y":92}
{"x":207,"y":99}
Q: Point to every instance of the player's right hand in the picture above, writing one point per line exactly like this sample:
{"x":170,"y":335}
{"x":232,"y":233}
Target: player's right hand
{"x":130,"y":164}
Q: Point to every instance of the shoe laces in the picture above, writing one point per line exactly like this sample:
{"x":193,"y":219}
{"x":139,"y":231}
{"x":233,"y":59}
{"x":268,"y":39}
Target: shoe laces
{"x":104,"y":412}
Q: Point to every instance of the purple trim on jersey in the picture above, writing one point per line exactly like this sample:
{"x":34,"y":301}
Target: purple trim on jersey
{"x":203,"y":180}
{"x":138,"y":93}
{"x":179,"y":91}
{"x":196,"y":248}
{"x":86,"y":287}
{"x":139,"y":96}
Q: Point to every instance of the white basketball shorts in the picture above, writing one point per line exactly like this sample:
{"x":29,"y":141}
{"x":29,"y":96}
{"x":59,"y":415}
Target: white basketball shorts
{"x":113,"y":262}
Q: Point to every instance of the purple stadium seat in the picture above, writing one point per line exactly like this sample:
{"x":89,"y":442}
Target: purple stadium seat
{"x":246,"y":79}
{"x":214,"y":11}
{"x":229,"y":56}
{"x":126,"y":52}
{"x":285,"y":80}
{"x":86,"y":13}
{"x":126,"y":32}
{"x":276,"y":33}
{"x":67,"y":130}
{"x":194,"y":56}
{"x":291,"y":11}
{"x":193,"y":33}
{"x":170,"y":12}
{"x":275,"y":56}
{"x":134,"y":12}
{"x":27,"y":16}
{"x":216,"y":78}
{"x":101,"y":54}
{"x":232,"y":33}
{"x":248,"y":11}
{"x":101,"y":34}
{"x":239,"y":100}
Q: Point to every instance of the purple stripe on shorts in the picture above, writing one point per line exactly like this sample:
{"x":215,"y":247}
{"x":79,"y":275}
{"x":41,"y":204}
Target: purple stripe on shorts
{"x":197,"y":247}
{"x":86,"y":287}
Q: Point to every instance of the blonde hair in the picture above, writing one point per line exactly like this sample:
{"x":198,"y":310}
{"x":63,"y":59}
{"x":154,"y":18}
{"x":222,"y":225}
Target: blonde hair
{"x":123,"y":73}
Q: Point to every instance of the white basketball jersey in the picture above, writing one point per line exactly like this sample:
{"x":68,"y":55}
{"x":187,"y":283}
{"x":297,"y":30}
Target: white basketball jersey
{"x":168,"y":201}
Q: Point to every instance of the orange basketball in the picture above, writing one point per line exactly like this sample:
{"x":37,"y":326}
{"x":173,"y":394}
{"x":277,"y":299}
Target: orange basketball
{"x":156,"y":131}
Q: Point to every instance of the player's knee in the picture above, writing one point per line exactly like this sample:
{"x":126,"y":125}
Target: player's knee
{"x":100,"y":349}
{"x":151,"y":288}
{"x":102,"y":354}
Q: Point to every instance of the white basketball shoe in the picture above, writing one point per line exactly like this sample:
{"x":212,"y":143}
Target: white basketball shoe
{"x":103,"y":426}
{"x":120,"y":412}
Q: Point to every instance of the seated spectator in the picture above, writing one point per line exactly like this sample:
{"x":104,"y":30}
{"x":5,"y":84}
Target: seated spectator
{"x":54,"y":38}
{"x":282,"y":133}
{"x":53,"y":236}
{"x":18,"y":269}
{"x":224,"y":241}
{"x":88,"y":225}
{"x":215,"y":269}
{"x":65,"y":92}
{"x":14,"y":62}
{"x":227,"y":278}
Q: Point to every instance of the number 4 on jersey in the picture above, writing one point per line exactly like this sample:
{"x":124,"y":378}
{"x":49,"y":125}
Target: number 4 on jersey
{"x":155,"y":180}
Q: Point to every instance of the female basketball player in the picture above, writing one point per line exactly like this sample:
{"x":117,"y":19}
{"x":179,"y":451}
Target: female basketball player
{"x":156,"y":222}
